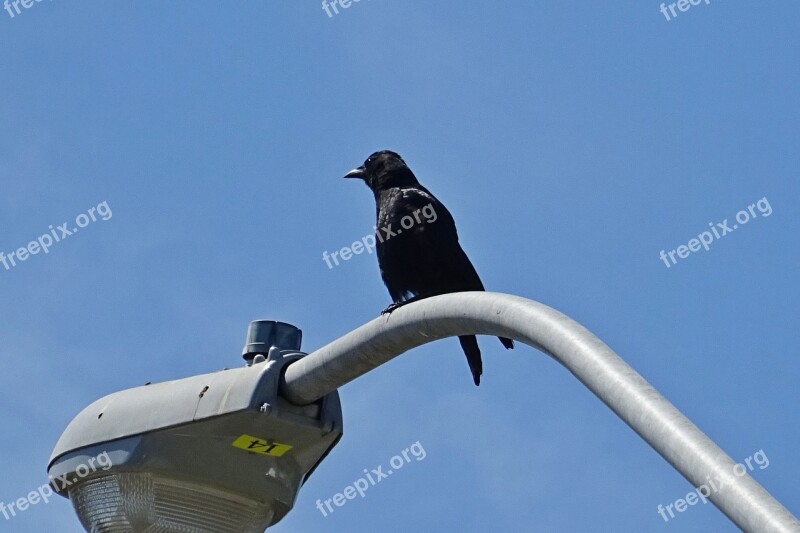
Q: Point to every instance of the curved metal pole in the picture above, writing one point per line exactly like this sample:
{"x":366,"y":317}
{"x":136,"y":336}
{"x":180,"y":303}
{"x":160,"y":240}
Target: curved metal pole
{"x":618,"y":385}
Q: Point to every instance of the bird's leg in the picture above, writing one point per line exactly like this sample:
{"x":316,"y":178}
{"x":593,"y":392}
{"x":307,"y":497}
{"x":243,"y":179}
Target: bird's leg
{"x":397,"y":305}
{"x":392,"y":307}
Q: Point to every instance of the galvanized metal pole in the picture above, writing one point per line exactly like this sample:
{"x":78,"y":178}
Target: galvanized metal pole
{"x":618,"y":385}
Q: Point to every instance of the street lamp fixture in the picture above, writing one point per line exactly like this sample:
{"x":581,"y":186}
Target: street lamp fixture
{"x":220,"y":452}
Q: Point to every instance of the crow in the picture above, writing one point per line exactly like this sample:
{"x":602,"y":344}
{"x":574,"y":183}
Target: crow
{"x":417,"y":243}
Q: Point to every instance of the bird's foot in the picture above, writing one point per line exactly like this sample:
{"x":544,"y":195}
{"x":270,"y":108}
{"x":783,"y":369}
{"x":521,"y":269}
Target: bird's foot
{"x":391,"y":308}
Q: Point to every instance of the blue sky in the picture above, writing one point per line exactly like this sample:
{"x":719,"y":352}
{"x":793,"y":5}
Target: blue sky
{"x":571,"y":142}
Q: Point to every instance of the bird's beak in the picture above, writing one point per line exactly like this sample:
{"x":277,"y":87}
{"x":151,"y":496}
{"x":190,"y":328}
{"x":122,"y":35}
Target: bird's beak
{"x":359,"y":172}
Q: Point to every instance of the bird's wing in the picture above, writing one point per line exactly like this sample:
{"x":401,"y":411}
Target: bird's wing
{"x":430,"y":241}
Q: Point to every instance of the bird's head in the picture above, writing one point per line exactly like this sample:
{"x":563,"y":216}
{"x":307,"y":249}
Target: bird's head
{"x":383,"y":170}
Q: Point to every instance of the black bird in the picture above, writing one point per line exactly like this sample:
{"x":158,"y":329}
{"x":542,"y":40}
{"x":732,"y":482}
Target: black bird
{"x":418,"y":251}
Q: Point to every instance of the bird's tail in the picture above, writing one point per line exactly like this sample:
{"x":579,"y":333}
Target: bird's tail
{"x":508,"y":343}
{"x":469,"y":343}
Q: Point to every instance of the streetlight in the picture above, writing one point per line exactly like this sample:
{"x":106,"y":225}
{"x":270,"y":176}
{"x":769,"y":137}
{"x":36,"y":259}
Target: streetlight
{"x":298,"y":382}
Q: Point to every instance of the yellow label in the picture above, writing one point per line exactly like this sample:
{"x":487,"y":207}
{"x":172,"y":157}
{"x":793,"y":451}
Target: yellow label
{"x":262,"y":446}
